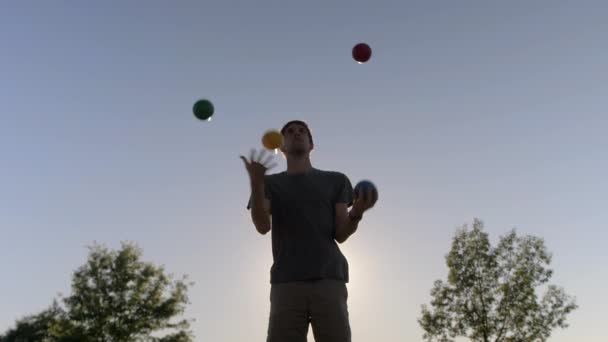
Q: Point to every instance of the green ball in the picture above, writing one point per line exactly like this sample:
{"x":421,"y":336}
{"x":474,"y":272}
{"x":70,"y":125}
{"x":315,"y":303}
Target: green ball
{"x":203,"y":109}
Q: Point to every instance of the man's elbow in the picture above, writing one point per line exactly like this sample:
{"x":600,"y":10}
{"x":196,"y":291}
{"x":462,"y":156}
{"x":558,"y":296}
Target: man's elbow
{"x":262,"y":229}
{"x":262,"y":223}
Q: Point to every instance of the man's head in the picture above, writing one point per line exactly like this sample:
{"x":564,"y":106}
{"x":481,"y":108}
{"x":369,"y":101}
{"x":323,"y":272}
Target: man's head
{"x":297,"y":138}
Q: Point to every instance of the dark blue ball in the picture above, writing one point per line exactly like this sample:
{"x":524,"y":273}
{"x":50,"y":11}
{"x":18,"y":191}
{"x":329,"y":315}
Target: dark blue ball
{"x":363,"y":186}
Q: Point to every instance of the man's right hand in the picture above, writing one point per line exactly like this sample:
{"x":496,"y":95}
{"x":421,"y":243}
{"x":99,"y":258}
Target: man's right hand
{"x":256,"y":168}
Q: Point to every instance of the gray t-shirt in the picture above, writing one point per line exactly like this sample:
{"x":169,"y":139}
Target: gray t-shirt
{"x":303,"y":224}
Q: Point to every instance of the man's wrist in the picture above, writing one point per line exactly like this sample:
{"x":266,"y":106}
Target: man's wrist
{"x":355,"y":216}
{"x":257,"y":184}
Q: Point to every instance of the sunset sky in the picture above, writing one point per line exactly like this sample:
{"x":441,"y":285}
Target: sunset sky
{"x":495,"y":110}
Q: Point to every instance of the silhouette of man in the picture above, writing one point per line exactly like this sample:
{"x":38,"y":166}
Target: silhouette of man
{"x":307,"y":211}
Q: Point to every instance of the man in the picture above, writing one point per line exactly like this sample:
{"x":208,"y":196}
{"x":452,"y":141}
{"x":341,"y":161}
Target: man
{"x":307,"y":211}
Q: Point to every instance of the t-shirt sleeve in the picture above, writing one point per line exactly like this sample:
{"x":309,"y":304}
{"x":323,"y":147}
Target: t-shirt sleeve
{"x":266,"y":193}
{"x":345,"y":191}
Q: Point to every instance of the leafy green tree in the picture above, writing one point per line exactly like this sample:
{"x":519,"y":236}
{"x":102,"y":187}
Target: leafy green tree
{"x":491,"y":292}
{"x":115,"y":297}
{"x":34,"y":327}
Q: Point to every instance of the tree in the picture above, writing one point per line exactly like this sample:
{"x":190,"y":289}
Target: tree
{"x":34,"y":327}
{"x":115,"y":297}
{"x":490,"y":293}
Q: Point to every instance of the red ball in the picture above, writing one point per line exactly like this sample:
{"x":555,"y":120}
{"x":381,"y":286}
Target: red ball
{"x":362,"y":52}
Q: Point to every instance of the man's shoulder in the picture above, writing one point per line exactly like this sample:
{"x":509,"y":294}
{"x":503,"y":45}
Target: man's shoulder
{"x":331,"y":174}
{"x":273,"y":177}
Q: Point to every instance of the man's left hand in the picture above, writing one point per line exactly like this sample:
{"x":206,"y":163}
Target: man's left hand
{"x":364,"y":202}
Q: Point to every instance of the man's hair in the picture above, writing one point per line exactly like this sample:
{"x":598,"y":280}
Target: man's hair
{"x":299,"y":123}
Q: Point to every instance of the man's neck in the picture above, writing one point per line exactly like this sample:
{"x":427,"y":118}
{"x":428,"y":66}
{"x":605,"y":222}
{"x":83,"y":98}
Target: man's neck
{"x":298,"y":164}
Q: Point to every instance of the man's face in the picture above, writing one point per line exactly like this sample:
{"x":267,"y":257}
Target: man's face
{"x":296,"y":141}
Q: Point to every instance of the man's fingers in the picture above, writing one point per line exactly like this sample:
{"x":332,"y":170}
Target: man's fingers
{"x":372,"y":197}
{"x":268,"y":159}
{"x":244,"y":161}
{"x":363,"y":195}
{"x":262,"y":153}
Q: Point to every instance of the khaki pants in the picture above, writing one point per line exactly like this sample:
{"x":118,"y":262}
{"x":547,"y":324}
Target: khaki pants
{"x":322,"y":303}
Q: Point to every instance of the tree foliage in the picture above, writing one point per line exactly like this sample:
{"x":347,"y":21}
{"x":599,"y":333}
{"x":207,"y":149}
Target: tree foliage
{"x":491,"y":292}
{"x":115,"y":297}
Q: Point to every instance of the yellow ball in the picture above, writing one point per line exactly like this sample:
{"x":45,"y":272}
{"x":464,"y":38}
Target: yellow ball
{"x":272,"y":140}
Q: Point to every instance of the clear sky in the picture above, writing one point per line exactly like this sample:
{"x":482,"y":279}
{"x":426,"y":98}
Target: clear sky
{"x":467,"y":109}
